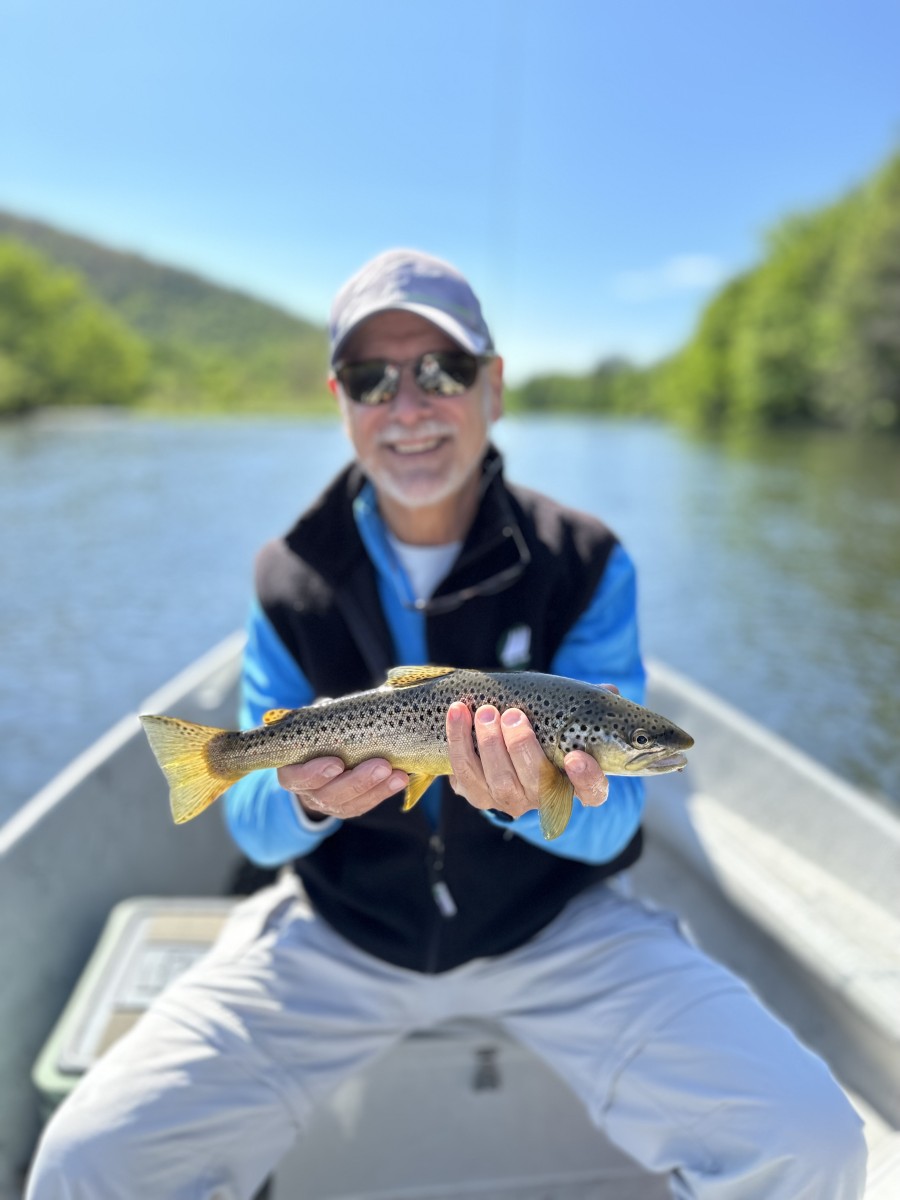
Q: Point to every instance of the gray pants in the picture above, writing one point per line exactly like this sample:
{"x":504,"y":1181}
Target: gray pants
{"x":672,"y":1057}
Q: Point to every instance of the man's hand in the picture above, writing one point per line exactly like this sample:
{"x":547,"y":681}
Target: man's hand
{"x":325,"y":788}
{"x":505,"y":774}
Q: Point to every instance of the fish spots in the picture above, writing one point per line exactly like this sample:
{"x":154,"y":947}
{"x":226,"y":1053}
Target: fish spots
{"x":412,"y":719}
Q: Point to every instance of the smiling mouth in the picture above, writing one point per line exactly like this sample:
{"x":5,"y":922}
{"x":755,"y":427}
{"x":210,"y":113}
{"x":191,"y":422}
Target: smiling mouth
{"x":419,"y":446}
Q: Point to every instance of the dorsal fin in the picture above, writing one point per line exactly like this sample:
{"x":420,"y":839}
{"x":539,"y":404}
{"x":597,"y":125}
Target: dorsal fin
{"x":400,"y":677}
{"x":274,"y":715}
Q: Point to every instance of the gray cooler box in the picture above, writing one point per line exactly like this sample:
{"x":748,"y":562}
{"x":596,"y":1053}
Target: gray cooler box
{"x":146,"y":943}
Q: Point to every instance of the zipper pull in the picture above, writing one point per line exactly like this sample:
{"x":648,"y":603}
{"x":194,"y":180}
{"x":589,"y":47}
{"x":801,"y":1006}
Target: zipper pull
{"x":443,"y":897}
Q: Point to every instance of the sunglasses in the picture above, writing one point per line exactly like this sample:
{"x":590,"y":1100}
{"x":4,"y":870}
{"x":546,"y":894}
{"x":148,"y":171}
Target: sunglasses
{"x":438,"y":373}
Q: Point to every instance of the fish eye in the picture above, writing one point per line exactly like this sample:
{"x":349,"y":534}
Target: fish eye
{"x":640,"y":739}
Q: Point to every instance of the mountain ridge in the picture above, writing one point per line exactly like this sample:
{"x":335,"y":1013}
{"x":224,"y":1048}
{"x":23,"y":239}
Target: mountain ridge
{"x":114,"y":273}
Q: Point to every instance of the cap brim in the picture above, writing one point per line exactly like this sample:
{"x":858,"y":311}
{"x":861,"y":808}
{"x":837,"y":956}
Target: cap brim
{"x":464,"y":337}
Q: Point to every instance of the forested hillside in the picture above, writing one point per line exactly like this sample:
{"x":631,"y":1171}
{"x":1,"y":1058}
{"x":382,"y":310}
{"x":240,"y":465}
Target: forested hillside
{"x":809,"y":336}
{"x":190,"y":345}
{"x":58,"y":343}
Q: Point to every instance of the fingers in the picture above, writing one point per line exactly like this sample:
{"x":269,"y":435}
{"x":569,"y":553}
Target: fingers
{"x":467,"y":777}
{"x":507,"y":791}
{"x":504,"y":773}
{"x":525,"y":753}
{"x":304,"y":777}
{"x":590,"y":783}
{"x":325,"y":788}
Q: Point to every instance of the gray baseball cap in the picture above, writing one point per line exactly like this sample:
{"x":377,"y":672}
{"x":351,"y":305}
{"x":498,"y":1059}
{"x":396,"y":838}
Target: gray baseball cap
{"x":413,"y":282}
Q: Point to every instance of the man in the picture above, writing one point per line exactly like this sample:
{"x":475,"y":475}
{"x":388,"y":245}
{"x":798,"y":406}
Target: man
{"x":422,"y":552}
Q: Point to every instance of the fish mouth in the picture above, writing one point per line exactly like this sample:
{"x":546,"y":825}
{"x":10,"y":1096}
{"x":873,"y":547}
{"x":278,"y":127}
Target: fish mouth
{"x":653,"y":762}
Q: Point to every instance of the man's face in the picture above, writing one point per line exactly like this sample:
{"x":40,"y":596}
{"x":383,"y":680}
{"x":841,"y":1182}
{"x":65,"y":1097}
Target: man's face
{"x":419,"y":451}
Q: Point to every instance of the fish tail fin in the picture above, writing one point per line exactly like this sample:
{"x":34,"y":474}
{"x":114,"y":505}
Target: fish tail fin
{"x":182,"y":751}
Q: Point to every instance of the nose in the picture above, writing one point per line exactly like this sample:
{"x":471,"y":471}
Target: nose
{"x":410,"y":400}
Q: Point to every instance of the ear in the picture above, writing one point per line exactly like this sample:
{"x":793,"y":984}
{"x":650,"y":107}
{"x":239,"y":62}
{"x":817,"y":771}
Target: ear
{"x":333,"y":386}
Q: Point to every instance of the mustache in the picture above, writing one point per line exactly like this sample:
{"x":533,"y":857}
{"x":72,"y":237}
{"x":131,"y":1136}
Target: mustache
{"x":399,"y":433}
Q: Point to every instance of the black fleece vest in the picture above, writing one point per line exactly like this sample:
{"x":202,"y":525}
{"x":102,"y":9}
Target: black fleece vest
{"x":388,"y":881}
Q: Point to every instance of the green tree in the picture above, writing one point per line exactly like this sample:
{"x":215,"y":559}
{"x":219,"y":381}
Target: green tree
{"x":58,"y":344}
{"x":810,"y":335}
{"x":615,"y":385}
{"x":858,"y":359}
{"x":773,"y":354}
{"x":696,"y":385}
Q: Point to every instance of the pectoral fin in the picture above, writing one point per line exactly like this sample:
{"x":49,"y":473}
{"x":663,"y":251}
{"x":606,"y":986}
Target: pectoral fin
{"x":415,"y":788}
{"x":556,"y":800}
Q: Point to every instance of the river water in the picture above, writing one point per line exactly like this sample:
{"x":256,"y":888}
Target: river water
{"x":769,"y":566}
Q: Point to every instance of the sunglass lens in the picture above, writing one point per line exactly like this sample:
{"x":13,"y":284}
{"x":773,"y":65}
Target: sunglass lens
{"x":446,"y":373}
{"x":373,"y":382}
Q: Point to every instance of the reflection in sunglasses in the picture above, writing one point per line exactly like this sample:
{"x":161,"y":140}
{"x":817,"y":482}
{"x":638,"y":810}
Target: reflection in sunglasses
{"x":437,"y":373}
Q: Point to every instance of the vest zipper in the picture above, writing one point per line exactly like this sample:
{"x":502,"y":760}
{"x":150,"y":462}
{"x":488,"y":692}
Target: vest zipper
{"x":442,"y":896}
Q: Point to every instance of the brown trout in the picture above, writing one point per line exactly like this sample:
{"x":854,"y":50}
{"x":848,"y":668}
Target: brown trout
{"x":403,"y":721}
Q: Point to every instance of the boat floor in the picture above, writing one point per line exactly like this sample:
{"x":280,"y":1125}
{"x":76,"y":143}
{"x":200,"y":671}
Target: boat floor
{"x":798,"y":897}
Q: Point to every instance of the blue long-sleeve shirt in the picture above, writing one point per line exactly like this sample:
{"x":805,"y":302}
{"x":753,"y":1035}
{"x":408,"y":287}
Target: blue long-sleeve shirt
{"x":269,"y":824}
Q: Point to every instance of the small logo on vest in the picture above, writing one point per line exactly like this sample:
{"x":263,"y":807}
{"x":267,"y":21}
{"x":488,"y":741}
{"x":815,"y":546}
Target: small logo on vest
{"x":514,"y":648}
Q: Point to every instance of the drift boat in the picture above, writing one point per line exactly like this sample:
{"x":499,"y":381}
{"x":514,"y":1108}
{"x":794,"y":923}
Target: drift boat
{"x":780,"y":869}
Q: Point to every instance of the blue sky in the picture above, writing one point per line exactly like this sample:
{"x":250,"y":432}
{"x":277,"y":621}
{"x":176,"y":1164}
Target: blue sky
{"x":595,"y":168}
